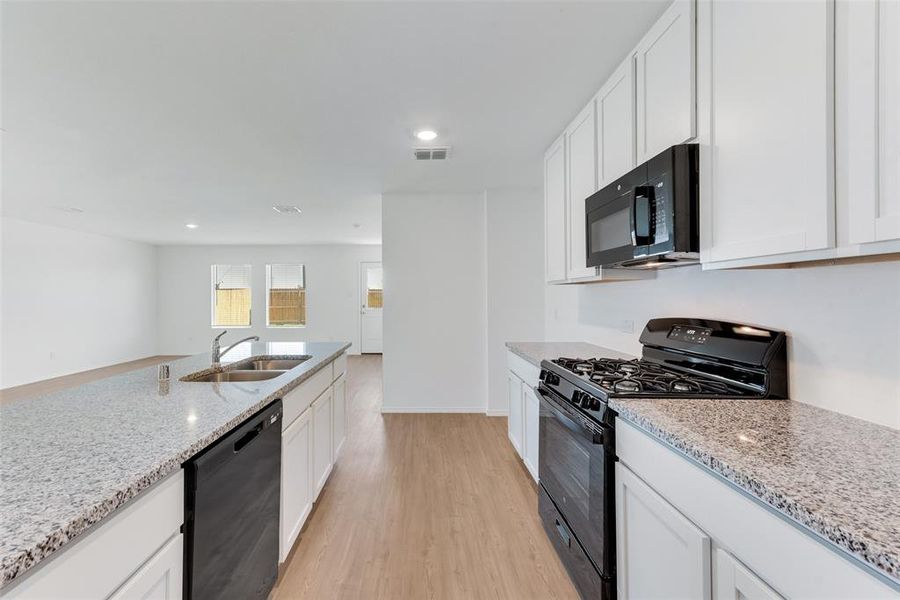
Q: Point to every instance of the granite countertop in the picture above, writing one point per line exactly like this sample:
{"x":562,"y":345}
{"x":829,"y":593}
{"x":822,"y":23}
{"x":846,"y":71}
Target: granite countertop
{"x":70,"y":458}
{"x":836,"y":476}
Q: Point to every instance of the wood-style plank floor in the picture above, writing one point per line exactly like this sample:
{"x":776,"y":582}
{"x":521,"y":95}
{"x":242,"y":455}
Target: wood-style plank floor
{"x":423,"y":506}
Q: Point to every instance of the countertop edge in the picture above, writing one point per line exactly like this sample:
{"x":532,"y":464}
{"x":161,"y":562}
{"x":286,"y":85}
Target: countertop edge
{"x":24,"y":563}
{"x":877,"y":561}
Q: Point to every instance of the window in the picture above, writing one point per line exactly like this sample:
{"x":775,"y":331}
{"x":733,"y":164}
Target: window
{"x":286,"y":295}
{"x":374,"y":287}
{"x":231,"y":295}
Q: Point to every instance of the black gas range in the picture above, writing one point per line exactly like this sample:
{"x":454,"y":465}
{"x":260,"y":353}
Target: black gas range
{"x":681,"y":357}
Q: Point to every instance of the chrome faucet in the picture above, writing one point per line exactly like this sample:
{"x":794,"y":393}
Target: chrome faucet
{"x":218,"y":353}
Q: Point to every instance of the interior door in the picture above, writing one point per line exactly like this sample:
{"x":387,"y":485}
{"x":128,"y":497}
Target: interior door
{"x":371,"y":285}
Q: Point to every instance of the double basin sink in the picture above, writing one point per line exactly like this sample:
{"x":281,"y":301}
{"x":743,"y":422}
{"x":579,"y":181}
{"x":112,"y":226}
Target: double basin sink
{"x":254,"y":370}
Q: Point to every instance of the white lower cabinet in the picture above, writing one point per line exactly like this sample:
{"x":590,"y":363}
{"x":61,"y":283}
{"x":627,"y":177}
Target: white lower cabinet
{"x":322,"y":439}
{"x":660,"y":553}
{"x":516,"y":410}
{"x":340,"y":415}
{"x":160,"y":578}
{"x":296,"y":480}
{"x":683,"y":533}
{"x":531,"y":424}
{"x":734,"y":581}
{"x":136,"y":553}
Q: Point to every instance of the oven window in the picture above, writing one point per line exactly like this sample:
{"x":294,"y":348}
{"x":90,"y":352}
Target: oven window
{"x":611,"y":231}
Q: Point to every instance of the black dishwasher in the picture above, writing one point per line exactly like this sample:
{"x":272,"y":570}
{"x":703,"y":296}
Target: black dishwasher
{"x":232,"y":495}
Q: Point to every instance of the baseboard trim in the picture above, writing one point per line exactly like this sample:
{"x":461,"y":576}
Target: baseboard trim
{"x":430,"y":409}
{"x":497,"y":412}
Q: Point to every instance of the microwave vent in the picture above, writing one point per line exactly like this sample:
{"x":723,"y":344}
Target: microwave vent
{"x":431,"y":153}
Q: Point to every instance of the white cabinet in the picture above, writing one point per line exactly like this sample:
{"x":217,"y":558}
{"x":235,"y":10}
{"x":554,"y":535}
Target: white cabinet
{"x":160,"y":578}
{"x":555,"y":246}
{"x":765,"y":77}
{"x":581,"y":159}
{"x":666,"y":82}
{"x":868,"y":117}
{"x":296,"y":480}
{"x":734,"y":581}
{"x":660,"y":553}
{"x":322,"y":436}
{"x":615,"y":125}
{"x":135,"y":553}
{"x":531,"y":421}
{"x":340,"y":414}
{"x":515,"y":419}
{"x":768,"y":553}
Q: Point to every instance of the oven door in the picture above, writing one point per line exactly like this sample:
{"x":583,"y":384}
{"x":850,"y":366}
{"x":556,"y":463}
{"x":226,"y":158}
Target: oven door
{"x":576,"y":470}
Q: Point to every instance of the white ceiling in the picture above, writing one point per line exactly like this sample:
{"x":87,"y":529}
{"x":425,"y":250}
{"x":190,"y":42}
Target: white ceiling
{"x":151,"y":115}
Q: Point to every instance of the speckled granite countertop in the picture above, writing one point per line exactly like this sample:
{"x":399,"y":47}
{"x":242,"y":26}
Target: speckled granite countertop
{"x":70,"y":458}
{"x":836,"y":476}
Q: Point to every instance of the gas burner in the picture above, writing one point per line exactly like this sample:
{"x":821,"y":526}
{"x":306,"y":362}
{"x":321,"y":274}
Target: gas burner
{"x":682,"y":385}
{"x":627,"y":385}
{"x":629,"y":368}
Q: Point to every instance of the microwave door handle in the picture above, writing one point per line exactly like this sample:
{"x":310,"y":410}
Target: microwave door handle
{"x":644,"y":195}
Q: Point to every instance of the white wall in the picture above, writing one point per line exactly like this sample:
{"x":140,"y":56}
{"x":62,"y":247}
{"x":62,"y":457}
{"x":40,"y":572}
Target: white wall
{"x":435,"y":320}
{"x":72,"y":301}
{"x":332,"y":295}
{"x":515,"y":281}
{"x":843,"y":322}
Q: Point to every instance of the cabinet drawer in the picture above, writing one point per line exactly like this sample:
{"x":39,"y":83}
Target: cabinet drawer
{"x":299,"y":398}
{"x":523,"y":369}
{"x":339,"y":366}
{"x":94,"y":565}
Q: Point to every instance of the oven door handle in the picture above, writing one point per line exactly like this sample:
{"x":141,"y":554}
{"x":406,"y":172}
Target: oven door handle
{"x":574,"y":422}
{"x":644,"y":195}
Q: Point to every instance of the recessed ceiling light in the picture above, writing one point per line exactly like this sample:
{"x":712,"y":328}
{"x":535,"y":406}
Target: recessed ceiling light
{"x":191,"y":225}
{"x":287,"y":210}
{"x":426,"y":135}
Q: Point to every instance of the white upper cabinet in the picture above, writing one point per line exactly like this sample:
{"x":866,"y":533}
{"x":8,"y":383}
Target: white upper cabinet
{"x":615,"y":125}
{"x":666,"y":84}
{"x":581,"y":152}
{"x":765,"y":75}
{"x":868,"y":117}
{"x":555,"y":211}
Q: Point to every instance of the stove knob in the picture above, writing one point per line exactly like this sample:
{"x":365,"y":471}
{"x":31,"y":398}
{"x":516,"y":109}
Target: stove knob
{"x":552,"y":378}
{"x":595,"y":404}
{"x":577,"y":396}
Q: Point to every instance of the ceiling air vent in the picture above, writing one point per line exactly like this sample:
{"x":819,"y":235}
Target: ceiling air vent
{"x":286,"y":210}
{"x":431,"y":153}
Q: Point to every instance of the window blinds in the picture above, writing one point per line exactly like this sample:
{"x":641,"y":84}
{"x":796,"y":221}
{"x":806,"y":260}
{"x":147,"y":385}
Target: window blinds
{"x":231,"y":277}
{"x":286,"y":277}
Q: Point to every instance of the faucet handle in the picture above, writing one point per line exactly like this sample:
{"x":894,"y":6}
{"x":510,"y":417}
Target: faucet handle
{"x":221,"y":334}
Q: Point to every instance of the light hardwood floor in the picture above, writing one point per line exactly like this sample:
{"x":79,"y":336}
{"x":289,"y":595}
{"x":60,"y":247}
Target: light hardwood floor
{"x":66,"y":381}
{"x":419,"y":506}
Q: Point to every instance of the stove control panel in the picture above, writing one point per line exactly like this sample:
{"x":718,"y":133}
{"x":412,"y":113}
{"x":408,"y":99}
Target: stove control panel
{"x":689,"y":334}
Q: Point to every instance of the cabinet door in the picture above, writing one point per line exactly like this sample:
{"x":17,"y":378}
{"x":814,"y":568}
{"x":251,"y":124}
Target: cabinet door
{"x":515,"y":418}
{"x":160,"y":578}
{"x":555,"y":211}
{"x":581,"y":155}
{"x":322,"y":436}
{"x":296,"y":480}
{"x":734,"y":581}
{"x":340,"y":414}
{"x":666,"y":82}
{"x":531,"y":425}
{"x":615,"y":125}
{"x":766,"y":128}
{"x":868,"y":88}
{"x":660,"y":554}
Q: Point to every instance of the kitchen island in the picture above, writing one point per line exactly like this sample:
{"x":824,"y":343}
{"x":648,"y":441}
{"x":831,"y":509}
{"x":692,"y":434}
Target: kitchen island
{"x":72,"y":459}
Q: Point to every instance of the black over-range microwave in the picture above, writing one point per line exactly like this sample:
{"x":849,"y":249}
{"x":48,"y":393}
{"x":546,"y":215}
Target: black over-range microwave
{"x":649,"y":217}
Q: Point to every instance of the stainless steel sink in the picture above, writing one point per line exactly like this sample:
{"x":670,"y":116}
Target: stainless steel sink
{"x":240,"y":375}
{"x":282,"y":364}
